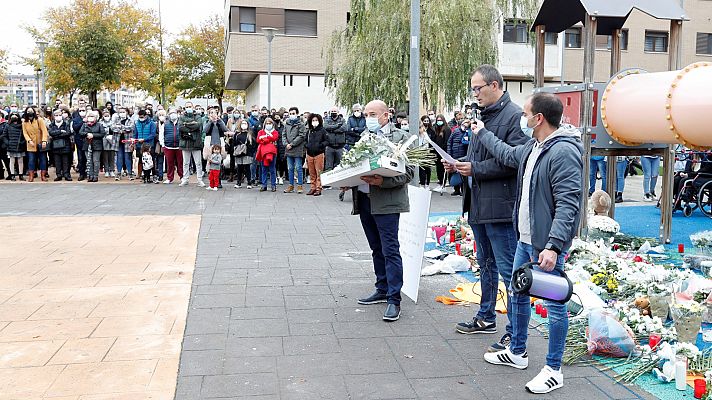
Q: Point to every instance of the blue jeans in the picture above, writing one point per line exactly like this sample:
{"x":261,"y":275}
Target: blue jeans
{"x":272,"y":170}
{"x":36,"y":155}
{"x":292,"y":164}
{"x":496,"y":244}
{"x":123,"y":160}
{"x":158,"y":161}
{"x":598,"y":163}
{"x":382,"y":235}
{"x":621,"y":166}
{"x":521,"y":307}
{"x":253,"y":170}
{"x":650,"y":173}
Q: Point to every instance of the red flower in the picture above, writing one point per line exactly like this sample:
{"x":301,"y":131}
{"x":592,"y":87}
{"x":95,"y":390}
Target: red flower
{"x":638,"y":259}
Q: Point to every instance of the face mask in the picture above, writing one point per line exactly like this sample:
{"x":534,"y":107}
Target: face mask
{"x":334,"y":115}
{"x":268,"y":127}
{"x":188,"y":110}
{"x":243,"y":126}
{"x":82,"y":113}
{"x":524,"y":124}
{"x":293,"y":118}
{"x":426,"y":122}
{"x":315,"y":123}
{"x":254,"y":113}
{"x":162,"y":118}
{"x":13,"y":109}
{"x":14,"y":118}
{"x":107,"y":118}
{"x":58,"y":119}
{"x":440,"y":123}
{"x":90,"y":120}
{"x":122,"y":115}
{"x":142,"y":119}
{"x":405,"y":127}
{"x":174,"y":116}
{"x":372,"y":124}
{"x":357,"y":114}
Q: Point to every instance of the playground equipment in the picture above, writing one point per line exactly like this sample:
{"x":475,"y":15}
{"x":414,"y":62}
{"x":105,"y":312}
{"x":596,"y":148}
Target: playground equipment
{"x":635,"y":112}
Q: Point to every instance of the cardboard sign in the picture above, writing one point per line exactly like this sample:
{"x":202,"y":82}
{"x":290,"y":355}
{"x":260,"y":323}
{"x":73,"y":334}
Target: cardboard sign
{"x":412,"y":231}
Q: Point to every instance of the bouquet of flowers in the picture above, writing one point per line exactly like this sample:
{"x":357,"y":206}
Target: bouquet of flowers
{"x":688,"y":319}
{"x":702,"y":240}
{"x":374,"y":146}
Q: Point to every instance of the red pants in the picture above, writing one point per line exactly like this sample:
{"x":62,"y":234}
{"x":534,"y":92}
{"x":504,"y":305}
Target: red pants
{"x":174,"y":161}
{"x":214,"y":176}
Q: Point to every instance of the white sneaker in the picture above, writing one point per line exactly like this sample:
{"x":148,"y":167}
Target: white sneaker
{"x":167,"y":182}
{"x":505,"y":357}
{"x":208,"y":188}
{"x":280,"y":181}
{"x":438,"y":189}
{"x":201,"y":183}
{"x":117,"y":178}
{"x":249,"y":186}
{"x":183,"y":182}
{"x":106,"y":174}
{"x":112,"y":174}
{"x":546,"y":381}
{"x":215,"y":189}
{"x":237,"y":186}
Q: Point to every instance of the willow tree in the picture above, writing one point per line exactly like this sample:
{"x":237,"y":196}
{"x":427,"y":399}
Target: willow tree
{"x":368,"y":59}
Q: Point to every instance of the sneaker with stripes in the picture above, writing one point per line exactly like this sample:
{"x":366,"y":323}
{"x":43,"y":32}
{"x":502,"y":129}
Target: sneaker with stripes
{"x":505,"y":357}
{"x":502,"y":344}
{"x":476,"y":326}
{"x":547,"y":380}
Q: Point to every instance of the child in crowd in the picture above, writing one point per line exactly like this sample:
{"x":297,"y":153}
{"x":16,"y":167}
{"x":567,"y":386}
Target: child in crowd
{"x":147,"y":162}
{"x":214,"y":163}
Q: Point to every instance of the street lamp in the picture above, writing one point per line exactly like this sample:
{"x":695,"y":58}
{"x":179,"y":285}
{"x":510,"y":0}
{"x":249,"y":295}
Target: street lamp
{"x":269,"y":34}
{"x":42,"y":44}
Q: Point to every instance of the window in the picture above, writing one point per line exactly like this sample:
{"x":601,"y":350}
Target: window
{"x":300,"y":23}
{"x":550,"y":38}
{"x":704,"y":43}
{"x":247,"y":19}
{"x":515,"y":32}
{"x":656,"y":42}
{"x":234,"y":19}
{"x":572,"y":38}
{"x":605,"y":42}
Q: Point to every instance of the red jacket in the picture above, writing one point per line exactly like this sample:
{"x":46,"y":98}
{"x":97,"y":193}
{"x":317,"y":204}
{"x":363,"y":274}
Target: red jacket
{"x":267,"y":150}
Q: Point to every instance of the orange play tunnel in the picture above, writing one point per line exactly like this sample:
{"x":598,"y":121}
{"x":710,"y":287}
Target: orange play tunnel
{"x":662,"y":107}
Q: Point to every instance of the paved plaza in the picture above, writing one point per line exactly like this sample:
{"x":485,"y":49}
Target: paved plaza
{"x":136,"y":292}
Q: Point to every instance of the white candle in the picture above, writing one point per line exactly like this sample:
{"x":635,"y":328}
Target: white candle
{"x":680,"y":375}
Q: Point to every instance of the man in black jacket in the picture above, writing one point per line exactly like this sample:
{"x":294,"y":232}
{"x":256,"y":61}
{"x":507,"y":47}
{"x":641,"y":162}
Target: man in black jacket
{"x":492,"y":193}
{"x":335,"y":126}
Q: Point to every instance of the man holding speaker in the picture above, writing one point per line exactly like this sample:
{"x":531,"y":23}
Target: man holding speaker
{"x":546,"y":214}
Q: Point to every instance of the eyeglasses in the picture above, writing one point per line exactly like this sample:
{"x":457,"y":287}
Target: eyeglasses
{"x":476,"y":89}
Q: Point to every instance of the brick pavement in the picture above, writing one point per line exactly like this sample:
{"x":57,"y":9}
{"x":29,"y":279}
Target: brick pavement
{"x":273,"y":311}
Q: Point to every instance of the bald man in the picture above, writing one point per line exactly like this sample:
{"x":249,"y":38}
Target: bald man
{"x":378,"y":202}
{"x":335,"y":126}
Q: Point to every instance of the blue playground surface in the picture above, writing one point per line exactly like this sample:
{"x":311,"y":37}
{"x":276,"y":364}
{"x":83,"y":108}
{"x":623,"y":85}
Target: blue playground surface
{"x":645,"y":221}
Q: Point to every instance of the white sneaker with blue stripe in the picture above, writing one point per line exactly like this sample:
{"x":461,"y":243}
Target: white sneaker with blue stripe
{"x":505,"y":357}
{"x":547,"y":380}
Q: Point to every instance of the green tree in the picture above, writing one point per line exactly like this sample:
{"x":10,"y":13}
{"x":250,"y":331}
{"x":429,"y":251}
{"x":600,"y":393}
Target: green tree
{"x":369,"y":58}
{"x":196,"y":60}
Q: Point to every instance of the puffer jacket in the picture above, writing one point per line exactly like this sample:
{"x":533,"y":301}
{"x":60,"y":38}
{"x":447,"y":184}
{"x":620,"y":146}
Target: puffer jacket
{"x":98,"y":133}
{"x":13,"y":137}
{"x":457,"y":143}
{"x":316,"y":141}
{"x":354,"y":129}
{"x":171,"y":134}
{"x":145,"y":131}
{"x":191,"y":132}
{"x":295,"y":133}
{"x":61,"y":137}
{"x":335,"y":132}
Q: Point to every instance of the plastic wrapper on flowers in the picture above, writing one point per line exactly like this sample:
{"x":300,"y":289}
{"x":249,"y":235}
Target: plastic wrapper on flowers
{"x":607,"y":336}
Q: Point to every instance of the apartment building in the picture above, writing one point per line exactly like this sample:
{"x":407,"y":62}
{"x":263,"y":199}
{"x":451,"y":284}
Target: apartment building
{"x":19,"y":88}
{"x":644,"y":43}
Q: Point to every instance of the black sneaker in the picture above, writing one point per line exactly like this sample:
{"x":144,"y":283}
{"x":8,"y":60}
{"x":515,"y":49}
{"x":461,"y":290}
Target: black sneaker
{"x":476,"y":326}
{"x":375,"y":298}
{"x":502,"y":344}
{"x":392,"y":313}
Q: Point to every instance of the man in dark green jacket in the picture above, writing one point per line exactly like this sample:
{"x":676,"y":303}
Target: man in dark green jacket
{"x":191,"y":143}
{"x":379,"y":203}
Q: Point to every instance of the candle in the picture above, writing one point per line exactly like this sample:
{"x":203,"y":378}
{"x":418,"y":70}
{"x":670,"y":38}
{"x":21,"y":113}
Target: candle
{"x":544,"y":312}
{"x":452,"y":235}
{"x":680,"y":374}
{"x":654,"y":340}
{"x":474,"y":246}
{"x":538,"y":308}
{"x":700,"y":388}
{"x":458,"y":249}
{"x":681,"y":248}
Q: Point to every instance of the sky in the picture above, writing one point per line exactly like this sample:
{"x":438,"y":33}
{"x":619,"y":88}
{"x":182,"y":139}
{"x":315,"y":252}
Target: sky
{"x":176,"y":15}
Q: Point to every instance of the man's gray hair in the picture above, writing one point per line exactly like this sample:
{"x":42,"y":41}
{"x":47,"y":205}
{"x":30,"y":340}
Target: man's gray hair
{"x":356,"y":106}
{"x":490,"y":74}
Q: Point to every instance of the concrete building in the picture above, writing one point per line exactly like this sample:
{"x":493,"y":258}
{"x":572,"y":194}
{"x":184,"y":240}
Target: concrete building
{"x":19,"y":88}
{"x":644,"y":43}
{"x":304,"y":28}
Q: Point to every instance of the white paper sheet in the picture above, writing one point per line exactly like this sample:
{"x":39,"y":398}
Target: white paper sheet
{"x":443,"y":153}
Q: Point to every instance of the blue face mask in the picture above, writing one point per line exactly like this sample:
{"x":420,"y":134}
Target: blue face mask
{"x":523,"y":123}
{"x":372,"y":124}
{"x":293,"y":118}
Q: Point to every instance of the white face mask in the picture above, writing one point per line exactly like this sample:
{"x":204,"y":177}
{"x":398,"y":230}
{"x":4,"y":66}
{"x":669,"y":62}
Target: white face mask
{"x":268,"y":127}
{"x":107,"y":118}
{"x":91,"y":120}
{"x":58,"y":119}
{"x":13,"y":109}
{"x":174,"y":116}
{"x":243,"y":126}
{"x":82,"y":113}
{"x":122,"y":115}
{"x":405,"y":127}
{"x":357,"y":114}
{"x":524,"y":124}
{"x":315,"y":123}
{"x":162,"y":118}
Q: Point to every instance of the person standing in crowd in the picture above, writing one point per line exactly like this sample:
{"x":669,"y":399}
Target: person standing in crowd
{"x":244,"y":150}
{"x":146,"y":162}
{"x":378,"y":202}
{"x":456,"y":120}
{"x":109,"y":106}
{"x":144,"y":133}
{"x":457,"y":147}
{"x":549,"y":177}
{"x":4,"y":160}
{"x":36,"y":136}
{"x":490,"y":200}
{"x":441,"y":138}
{"x":158,"y":147}
{"x":621,"y":168}
{"x":335,"y":127}
{"x":111,"y":145}
{"x":93,"y":134}
{"x":171,"y":147}
{"x":191,"y":143}
{"x":598,"y":165}
{"x":214,"y":166}
{"x":355,"y":127}
{"x":423,"y":172}
{"x":231,"y":119}
{"x":281,"y":164}
{"x":78,"y":118}
{"x":214,"y":130}
{"x":316,"y":146}
{"x":651,"y":166}
{"x":267,"y":154}
{"x":123,"y":129}
{"x":16,"y":144}
{"x":60,"y":132}
{"x":295,"y":134}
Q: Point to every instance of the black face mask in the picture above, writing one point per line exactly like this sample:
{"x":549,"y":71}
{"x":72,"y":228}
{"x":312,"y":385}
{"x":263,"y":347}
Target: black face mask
{"x":334,"y":115}
{"x":31,"y":115}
